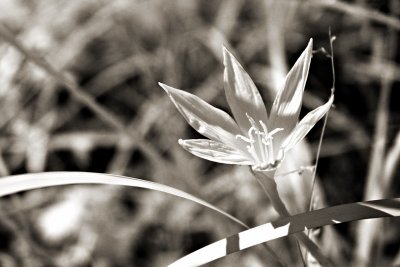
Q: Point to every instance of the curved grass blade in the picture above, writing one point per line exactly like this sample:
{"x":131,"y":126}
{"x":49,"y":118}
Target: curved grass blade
{"x":290,"y":225}
{"x":17,"y":183}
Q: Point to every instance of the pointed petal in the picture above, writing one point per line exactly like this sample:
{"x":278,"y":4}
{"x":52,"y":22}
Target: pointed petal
{"x":204,"y":118}
{"x":287,"y":104}
{"x":306,"y":124}
{"x":215,"y":151}
{"x":241,"y":93}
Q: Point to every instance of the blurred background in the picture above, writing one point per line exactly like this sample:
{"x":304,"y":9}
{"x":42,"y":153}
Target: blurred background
{"x":78,"y":92}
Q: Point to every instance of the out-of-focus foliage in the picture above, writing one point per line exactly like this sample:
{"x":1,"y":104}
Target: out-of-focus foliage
{"x":117,"y":51}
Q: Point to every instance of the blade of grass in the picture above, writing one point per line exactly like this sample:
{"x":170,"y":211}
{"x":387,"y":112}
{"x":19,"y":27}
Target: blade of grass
{"x":291,"y":225}
{"x":17,"y":183}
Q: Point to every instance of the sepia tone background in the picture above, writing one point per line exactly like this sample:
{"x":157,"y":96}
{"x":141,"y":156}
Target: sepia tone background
{"x":78,"y":92}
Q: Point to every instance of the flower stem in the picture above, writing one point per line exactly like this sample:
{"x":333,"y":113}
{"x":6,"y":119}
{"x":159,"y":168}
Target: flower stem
{"x":268,"y":184}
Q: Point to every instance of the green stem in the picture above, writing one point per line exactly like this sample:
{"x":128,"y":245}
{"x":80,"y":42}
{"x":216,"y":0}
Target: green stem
{"x":268,"y":184}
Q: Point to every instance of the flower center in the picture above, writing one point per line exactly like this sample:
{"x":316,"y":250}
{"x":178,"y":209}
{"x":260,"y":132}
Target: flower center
{"x":260,"y":144}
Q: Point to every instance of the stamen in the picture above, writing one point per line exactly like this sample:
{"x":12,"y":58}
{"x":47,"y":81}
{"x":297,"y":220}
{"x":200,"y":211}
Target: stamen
{"x":250,"y":140}
{"x":260,"y":150}
{"x":244,"y":138}
{"x":250,"y":132}
{"x":252,"y":121}
{"x":252,"y":151}
{"x":274,"y":131}
{"x":266,"y":141}
{"x":270,"y":148}
{"x":265,"y":129}
{"x":268,"y":138}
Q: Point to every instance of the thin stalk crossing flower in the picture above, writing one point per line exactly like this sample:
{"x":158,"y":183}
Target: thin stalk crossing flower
{"x":251,"y":137}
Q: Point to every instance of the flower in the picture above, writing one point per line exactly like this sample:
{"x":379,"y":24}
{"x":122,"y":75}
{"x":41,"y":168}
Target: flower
{"x":252,"y":137}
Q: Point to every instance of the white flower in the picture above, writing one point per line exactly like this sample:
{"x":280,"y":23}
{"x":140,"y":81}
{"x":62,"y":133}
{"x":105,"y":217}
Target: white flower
{"x":252,"y":137}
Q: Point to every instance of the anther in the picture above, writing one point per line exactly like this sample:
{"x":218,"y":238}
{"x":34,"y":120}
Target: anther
{"x":274,"y":131}
{"x":252,"y":121}
{"x":247,"y":140}
{"x":250,"y":132}
{"x":265,"y":129}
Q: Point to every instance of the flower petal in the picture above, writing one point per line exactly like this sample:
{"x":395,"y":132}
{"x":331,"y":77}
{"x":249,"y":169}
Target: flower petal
{"x":204,"y":118}
{"x":306,"y":124}
{"x":287,"y":104}
{"x":241,"y":93}
{"x":215,"y":151}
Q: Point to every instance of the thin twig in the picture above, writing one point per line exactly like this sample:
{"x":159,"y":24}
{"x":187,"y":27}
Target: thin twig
{"x":314,"y":174}
{"x":331,"y":39}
